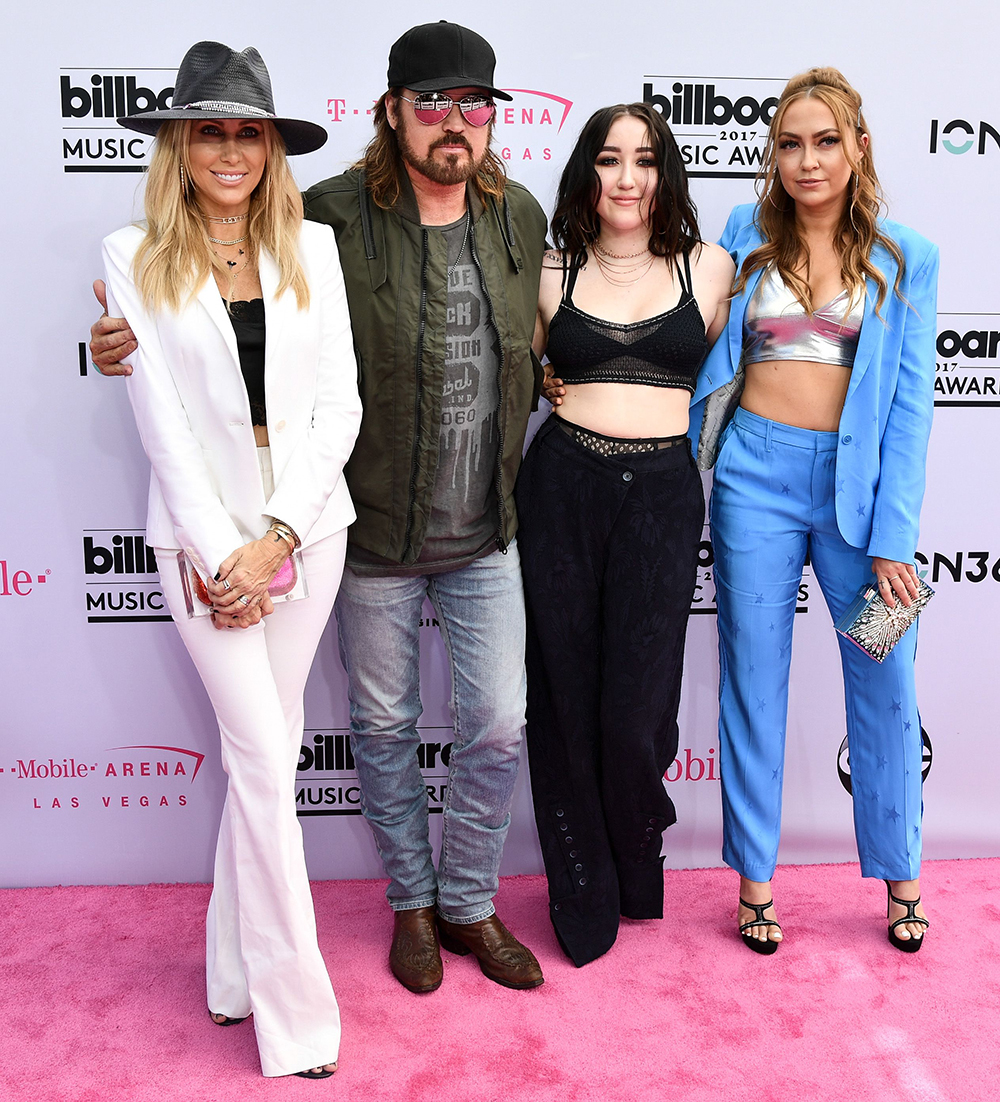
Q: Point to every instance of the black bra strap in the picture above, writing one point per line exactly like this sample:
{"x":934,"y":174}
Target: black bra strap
{"x":687,"y":273}
{"x":570,"y":272}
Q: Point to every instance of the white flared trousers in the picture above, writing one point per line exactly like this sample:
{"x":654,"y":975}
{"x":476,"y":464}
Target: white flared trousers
{"x":262,"y":952}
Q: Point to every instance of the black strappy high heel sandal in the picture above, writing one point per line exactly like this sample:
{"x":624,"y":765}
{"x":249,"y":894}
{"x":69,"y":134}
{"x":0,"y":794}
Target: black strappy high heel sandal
{"x":766,"y":947}
{"x":910,"y":944}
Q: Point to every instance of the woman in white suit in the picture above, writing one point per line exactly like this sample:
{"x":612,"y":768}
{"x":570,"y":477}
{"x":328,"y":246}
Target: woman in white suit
{"x":833,"y":321}
{"x":244,"y":392}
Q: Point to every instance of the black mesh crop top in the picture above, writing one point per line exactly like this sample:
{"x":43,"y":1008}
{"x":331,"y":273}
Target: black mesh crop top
{"x":665,"y":350}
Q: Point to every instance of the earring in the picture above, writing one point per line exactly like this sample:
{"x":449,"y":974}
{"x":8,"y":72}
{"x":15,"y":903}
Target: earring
{"x":184,"y":183}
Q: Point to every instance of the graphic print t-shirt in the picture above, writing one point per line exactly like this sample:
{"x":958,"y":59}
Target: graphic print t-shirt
{"x":463,"y":519}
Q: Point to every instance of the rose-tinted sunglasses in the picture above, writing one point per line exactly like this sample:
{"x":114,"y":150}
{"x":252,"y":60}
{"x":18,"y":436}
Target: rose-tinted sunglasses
{"x":434,"y":107}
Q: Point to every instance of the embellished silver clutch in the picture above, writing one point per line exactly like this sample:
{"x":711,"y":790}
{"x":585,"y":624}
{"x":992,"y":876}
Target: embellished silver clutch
{"x":870,"y":624}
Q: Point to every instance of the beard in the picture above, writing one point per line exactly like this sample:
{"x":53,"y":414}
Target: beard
{"x":455,"y":169}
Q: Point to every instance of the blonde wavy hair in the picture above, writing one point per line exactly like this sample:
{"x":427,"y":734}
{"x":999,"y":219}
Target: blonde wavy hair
{"x":175,"y":257}
{"x":384,"y":168}
{"x":858,"y":233}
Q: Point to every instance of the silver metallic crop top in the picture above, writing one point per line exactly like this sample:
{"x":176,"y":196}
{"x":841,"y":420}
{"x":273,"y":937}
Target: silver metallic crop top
{"x":777,"y":326}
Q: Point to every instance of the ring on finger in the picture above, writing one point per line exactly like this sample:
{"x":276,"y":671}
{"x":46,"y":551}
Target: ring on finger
{"x":244,"y":600}
{"x":225,"y":584}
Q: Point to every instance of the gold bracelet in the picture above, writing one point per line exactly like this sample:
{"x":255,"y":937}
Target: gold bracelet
{"x":283,"y":531}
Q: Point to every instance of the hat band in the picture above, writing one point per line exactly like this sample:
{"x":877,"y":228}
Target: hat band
{"x":241,"y":110}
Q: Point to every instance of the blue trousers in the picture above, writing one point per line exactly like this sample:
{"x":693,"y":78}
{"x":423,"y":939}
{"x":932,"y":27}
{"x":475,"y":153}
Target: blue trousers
{"x":773,"y":502}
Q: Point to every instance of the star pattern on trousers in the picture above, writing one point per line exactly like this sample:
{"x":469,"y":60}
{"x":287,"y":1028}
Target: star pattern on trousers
{"x":883,"y":761}
{"x":785,"y":488}
{"x":761,"y":704}
{"x":893,"y":814}
{"x":876,"y":797}
{"x":790,"y":560}
{"x":758,"y":598}
{"x":840,"y":485}
{"x":774,"y":774}
{"x":752,"y":668}
{"x":861,"y":510}
{"x":896,"y":707}
{"x":770,"y":627}
{"x":907,"y":725}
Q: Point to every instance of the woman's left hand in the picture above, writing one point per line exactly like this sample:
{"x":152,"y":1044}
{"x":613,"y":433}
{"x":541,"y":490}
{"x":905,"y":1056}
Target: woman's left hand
{"x":244,"y":576}
{"x":895,"y":579}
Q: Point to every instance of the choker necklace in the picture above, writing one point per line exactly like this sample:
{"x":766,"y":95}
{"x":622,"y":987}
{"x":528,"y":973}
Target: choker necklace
{"x":619,"y":256}
{"x":228,"y":221}
{"x":235,"y":240}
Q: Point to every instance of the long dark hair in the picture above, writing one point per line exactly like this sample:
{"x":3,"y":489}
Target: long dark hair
{"x":673,"y":219}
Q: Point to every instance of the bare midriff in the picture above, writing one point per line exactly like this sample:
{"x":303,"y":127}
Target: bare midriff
{"x":627,"y":410}
{"x":797,"y":392}
{"x":260,"y":435}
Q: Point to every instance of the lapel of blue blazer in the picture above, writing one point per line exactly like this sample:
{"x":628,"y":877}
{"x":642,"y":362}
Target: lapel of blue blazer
{"x":735,"y":327}
{"x":868,"y":339}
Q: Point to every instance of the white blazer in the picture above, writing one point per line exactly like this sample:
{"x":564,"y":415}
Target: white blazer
{"x":193,"y":414}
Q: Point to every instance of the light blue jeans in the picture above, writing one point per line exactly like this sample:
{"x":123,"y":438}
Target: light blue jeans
{"x":480,"y":608}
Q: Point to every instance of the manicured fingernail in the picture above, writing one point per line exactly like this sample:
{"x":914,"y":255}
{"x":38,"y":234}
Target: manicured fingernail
{"x":217,"y":575}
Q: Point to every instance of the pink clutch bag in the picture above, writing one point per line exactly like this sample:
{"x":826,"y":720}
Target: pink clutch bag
{"x":289,"y":584}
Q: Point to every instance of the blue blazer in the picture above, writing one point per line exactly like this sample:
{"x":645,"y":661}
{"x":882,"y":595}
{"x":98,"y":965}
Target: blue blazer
{"x":887,"y":414}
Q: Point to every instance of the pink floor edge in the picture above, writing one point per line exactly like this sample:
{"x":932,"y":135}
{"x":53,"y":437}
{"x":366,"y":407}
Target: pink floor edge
{"x":102,"y":1000}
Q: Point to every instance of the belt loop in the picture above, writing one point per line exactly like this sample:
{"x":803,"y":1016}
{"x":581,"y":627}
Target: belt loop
{"x":767,"y":434}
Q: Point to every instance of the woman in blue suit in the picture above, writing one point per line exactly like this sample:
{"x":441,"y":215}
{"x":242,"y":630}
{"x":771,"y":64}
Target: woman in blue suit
{"x":832,"y":327}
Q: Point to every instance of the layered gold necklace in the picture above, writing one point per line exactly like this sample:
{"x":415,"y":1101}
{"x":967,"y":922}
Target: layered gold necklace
{"x":622,"y":274}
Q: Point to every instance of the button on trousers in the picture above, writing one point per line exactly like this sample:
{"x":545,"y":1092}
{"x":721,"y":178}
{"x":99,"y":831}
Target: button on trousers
{"x":774,"y":502}
{"x":609,"y":554}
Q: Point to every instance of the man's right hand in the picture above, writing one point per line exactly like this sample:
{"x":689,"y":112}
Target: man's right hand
{"x":111,"y":340}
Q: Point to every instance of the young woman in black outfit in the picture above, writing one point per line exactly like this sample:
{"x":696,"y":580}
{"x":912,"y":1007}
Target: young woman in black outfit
{"x":611,"y":512}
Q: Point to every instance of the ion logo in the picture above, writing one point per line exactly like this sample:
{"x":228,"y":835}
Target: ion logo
{"x":960,"y":136}
{"x":968,"y":365}
{"x":720,"y":123}
{"x":844,"y":761}
{"x":123,"y":585}
{"x":87,"y":98}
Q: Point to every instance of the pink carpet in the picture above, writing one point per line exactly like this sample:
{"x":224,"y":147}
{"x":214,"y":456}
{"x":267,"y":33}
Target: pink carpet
{"x":102,"y":999}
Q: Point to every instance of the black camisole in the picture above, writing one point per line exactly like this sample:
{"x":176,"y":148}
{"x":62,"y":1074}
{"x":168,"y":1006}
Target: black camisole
{"x":665,"y":350}
{"x":247,"y":317}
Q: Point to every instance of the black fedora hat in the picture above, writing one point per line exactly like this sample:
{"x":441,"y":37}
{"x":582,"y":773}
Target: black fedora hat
{"x":216,"y":82}
{"x":437,"y":56}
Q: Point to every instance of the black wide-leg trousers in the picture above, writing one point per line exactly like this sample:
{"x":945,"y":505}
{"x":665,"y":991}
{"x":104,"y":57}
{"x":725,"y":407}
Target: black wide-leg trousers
{"x":609,"y":550}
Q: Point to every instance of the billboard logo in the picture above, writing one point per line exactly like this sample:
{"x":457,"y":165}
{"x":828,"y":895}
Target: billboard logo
{"x":720,"y":123}
{"x":122,"y":582}
{"x":967,"y":370}
{"x":87,"y":98}
{"x":327,"y":782}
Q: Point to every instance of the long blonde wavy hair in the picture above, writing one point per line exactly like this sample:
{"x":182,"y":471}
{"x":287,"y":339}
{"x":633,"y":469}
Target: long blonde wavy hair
{"x":384,"y":168}
{"x":858,"y":233}
{"x":175,"y":257}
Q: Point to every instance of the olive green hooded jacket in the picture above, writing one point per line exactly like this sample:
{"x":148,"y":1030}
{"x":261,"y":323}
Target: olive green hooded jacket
{"x":395,"y":273}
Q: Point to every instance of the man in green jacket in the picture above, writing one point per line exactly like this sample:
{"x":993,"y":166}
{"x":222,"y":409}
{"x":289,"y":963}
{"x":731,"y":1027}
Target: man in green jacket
{"x":441,"y":257}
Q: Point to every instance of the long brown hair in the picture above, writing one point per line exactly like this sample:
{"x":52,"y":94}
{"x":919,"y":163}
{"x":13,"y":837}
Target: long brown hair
{"x":673,"y":218}
{"x":175,"y":257}
{"x":858,"y":232}
{"x":385,"y":170}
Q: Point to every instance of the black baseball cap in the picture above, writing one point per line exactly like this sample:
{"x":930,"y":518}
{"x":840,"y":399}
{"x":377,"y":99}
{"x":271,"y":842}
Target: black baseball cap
{"x":437,"y":56}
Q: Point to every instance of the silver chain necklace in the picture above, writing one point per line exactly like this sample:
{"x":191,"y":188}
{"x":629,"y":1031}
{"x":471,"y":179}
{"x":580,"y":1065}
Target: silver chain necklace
{"x":235,"y":240}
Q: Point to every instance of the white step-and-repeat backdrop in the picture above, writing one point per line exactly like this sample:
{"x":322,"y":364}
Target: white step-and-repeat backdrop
{"x":109,"y":760}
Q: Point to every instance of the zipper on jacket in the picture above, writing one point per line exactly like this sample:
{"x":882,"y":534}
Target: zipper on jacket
{"x":419,"y":370}
{"x":501,"y":509}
